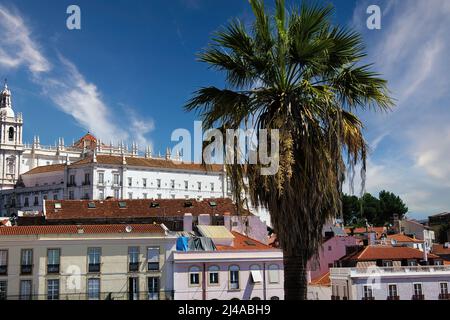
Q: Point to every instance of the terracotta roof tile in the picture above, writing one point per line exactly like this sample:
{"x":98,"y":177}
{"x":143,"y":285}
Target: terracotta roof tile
{"x":323,"y":280}
{"x":150,"y":162}
{"x":403,"y":238}
{"x":243,"y":243}
{"x":439,"y":249}
{"x":75,"y":229}
{"x":138,"y":208}
{"x":371,"y":253}
{"x":44,"y":169}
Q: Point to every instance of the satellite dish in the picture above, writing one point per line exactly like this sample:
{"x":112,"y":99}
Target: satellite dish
{"x":128,"y":229}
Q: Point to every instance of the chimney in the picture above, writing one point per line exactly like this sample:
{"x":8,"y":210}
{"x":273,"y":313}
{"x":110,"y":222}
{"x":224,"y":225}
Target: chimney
{"x":227,"y":220}
{"x":204,"y":219}
{"x":187,"y":222}
{"x":371,"y":238}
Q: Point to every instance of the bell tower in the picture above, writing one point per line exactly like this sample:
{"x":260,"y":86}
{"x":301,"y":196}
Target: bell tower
{"x":11,"y":147}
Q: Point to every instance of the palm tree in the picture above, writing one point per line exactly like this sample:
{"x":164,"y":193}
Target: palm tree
{"x":298,"y":73}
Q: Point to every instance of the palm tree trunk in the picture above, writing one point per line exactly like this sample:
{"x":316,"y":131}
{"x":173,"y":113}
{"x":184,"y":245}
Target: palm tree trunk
{"x":295,"y":286}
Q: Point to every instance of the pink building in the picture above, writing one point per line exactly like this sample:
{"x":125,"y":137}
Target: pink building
{"x":332,"y":250}
{"x":239,"y":268}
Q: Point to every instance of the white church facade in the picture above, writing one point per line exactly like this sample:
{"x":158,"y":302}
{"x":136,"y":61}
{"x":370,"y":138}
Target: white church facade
{"x":89,"y":169}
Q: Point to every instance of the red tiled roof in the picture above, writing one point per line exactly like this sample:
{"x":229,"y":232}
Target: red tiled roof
{"x":149,"y":162}
{"x":371,"y":253}
{"x":242,"y":242}
{"x":89,"y":138}
{"x":364,"y":230}
{"x":74,"y":229}
{"x":44,"y":169}
{"x":323,"y":280}
{"x":138,"y":208}
{"x":402,"y":238}
{"x":439,"y":249}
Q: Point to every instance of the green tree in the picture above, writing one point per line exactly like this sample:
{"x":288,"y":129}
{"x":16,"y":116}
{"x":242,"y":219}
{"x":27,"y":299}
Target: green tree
{"x":390,"y":204}
{"x":351,"y":208}
{"x":300,"y":74}
{"x":370,"y":208}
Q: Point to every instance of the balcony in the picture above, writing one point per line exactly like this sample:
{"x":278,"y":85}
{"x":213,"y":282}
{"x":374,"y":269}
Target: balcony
{"x":3,"y":270}
{"x":418,"y":297}
{"x":53,"y":268}
{"x":94,"y":267}
{"x":133,"y":267}
{"x":368,"y":298}
{"x":444,"y":296}
{"x":396,"y":270}
{"x":71,"y":184}
{"x":393,"y":298}
{"x":26,"y":269}
{"x":335,"y":298}
{"x":86,"y":183}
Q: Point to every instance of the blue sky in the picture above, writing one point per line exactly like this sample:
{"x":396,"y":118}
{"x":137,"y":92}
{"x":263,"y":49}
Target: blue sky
{"x":127,"y":73}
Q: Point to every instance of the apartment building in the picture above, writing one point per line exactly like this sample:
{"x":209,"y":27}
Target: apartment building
{"x":390,"y":273}
{"x":238,"y":268}
{"x":58,"y":262}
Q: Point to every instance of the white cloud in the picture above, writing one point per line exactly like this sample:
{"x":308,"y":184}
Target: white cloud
{"x":64,"y":85}
{"x":17,"y":46}
{"x":411,"y":50}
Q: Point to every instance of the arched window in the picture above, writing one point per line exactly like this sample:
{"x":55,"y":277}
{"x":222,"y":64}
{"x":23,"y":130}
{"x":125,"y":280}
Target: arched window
{"x":194,"y":276}
{"x":11,"y":162}
{"x":11,"y":134}
{"x":234,"y":277}
{"x":213,"y":275}
{"x":255,"y":273}
{"x":274,"y":273}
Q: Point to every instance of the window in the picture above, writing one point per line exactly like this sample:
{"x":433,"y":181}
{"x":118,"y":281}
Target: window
{"x":172,"y":184}
{"x":153,"y":288}
{"x":101,"y":195}
{"x":255,"y":272}
{"x":11,"y":134}
{"x":53,"y":289}
{"x":36,"y":200}
{"x":53,"y":259}
{"x":234,"y":278}
{"x":194,"y":276}
{"x":438,"y":262}
{"x":55,"y":197}
{"x":26,"y":203}
{"x":71,"y":195}
{"x":388,"y":263}
{"x":94,"y":256}
{"x":144,"y":182}
{"x":392,"y":290}
{"x":213,"y":272}
{"x":133,"y":288}
{"x":26,"y":261}
{"x":367,"y":292}
{"x":3,"y":262}
{"x":212,"y":186}
{"x":130,"y":195}
{"x":159,"y":195}
{"x":186,"y":184}
{"x":87,"y":179}
{"x":199,"y":186}
{"x":130,"y":182}
{"x":153,"y":259}
{"x":116,"y":179}
{"x":72,"y":180}
{"x":116,"y":193}
{"x":93,"y":289}
{"x":133,"y":259}
{"x":172,"y":196}
{"x":25,"y":290}
{"x":158,"y":183}
{"x":274,"y":273}
{"x":412,"y":263}
{"x":3,"y":290}
{"x":101,"y":178}
{"x":417,"y":290}
{"x":444,"y":288}
{"x":145,"y":196}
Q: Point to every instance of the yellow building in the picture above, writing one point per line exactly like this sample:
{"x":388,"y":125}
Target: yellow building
{"x":86,"y":262}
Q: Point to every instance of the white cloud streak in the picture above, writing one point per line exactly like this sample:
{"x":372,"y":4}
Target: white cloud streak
{"x":411,"y":51}
{"x":64,"y":85}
